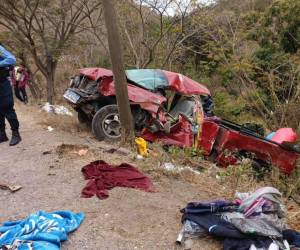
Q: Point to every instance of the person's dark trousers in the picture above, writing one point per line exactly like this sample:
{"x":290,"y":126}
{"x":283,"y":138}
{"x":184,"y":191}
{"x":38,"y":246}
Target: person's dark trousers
{"x":7,"y":111}
{"x":18,"y":93}
{"x":24,"y":94}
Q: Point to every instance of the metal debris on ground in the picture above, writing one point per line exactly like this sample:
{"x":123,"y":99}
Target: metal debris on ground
{"x":48,"y":152}
{"x":11,"y":188}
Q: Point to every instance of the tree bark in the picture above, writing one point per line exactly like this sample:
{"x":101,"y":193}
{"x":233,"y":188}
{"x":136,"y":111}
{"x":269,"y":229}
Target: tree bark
{"x":33,"y":91}
{"x":120,"y":82}
{"x":50,"y":88}
{"x":50,"y":79}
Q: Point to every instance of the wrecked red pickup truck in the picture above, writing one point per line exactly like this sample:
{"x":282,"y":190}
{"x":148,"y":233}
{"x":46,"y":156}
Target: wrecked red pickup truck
{"x":175,"y":110}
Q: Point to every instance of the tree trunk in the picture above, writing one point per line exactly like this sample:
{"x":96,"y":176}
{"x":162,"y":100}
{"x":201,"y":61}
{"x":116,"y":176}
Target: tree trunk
{"x":50,"y":88}
{"x":33,"y":90}
{"x":120,"y":82}
{"x":50,"y":79}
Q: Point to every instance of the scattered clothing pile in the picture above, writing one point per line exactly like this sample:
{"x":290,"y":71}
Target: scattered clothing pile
{"x":250,"y":222}
{"x":103,"y":177}
{"x":40,"y":231}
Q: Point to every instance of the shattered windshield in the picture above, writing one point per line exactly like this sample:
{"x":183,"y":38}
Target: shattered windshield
{"x":148,"y":78}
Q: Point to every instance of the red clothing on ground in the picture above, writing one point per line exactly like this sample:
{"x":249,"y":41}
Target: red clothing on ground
{"x":103,"y":177}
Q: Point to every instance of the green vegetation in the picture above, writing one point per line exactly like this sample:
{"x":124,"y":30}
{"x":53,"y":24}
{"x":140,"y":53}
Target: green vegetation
{"x":246,"y":52}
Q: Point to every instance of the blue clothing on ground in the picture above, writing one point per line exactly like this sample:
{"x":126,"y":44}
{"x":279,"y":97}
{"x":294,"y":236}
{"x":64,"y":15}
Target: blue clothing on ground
{"x":6,"y":58}
{"x":40,"y":231}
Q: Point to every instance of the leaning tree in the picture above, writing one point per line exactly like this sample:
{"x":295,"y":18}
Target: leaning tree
{"x":45,"y":29}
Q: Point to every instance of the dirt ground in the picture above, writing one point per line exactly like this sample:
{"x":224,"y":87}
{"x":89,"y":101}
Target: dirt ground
{"x":50,"y":175}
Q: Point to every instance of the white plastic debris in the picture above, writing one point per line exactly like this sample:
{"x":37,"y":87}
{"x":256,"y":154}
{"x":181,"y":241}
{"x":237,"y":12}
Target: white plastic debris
{"x":171,"y":167}
{"x":48,"y":108}
{"x":82,"y":152}
{"x":188,"y":169}
{"x":139,"y":157}
{"x":56,"y":109}
{"x":61,"y":110}
{"x":50,"y":129}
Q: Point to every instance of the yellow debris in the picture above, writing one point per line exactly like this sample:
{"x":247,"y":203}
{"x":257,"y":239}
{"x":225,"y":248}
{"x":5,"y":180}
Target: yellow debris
{"x":141,"y":146}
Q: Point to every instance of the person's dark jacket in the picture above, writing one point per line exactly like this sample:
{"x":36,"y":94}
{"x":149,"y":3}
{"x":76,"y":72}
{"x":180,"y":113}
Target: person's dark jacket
{"x":7,"y":61}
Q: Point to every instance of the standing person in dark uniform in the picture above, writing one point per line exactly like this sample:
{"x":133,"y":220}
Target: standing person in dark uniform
{"x":7,"y":61}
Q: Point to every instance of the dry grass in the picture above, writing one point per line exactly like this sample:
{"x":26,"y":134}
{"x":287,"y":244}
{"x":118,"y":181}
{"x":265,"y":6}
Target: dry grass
{"x":215,"y":182}
{"x":64,"y":149}
{"x":240,"y":178}
{"x":204,"y":178}
{"x":225,"y":182}
{"x":63,"y":123}
{"x":288,"y":184}
{"x":60,"y":122}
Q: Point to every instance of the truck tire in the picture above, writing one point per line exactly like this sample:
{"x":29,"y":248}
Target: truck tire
{"x":106,"y":123}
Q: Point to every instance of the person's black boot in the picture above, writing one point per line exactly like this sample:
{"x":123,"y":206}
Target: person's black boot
{"x":15,"y":138}
{"x":3,"y":137}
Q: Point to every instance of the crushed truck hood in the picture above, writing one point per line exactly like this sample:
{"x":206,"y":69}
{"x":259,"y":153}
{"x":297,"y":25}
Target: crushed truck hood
{"x":153,"y":78}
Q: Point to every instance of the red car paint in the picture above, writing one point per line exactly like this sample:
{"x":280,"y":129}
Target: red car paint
{"x":208,"y":136}
{"x":177,"y":82}
{"x":227,"y":143}
{"x":219,"y":142}
{"x":146,"y":99}
{"x":184,"y":85}
{"x":95,"y":73}
{"x":180,"y":135}
{"x":268,"y":151}
{"x":284,"y":134}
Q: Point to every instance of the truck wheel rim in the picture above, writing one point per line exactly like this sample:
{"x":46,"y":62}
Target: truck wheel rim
{"x":111,"y":125}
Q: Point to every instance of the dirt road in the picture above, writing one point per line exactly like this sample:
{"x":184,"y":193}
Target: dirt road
{"x":52,"y":180}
